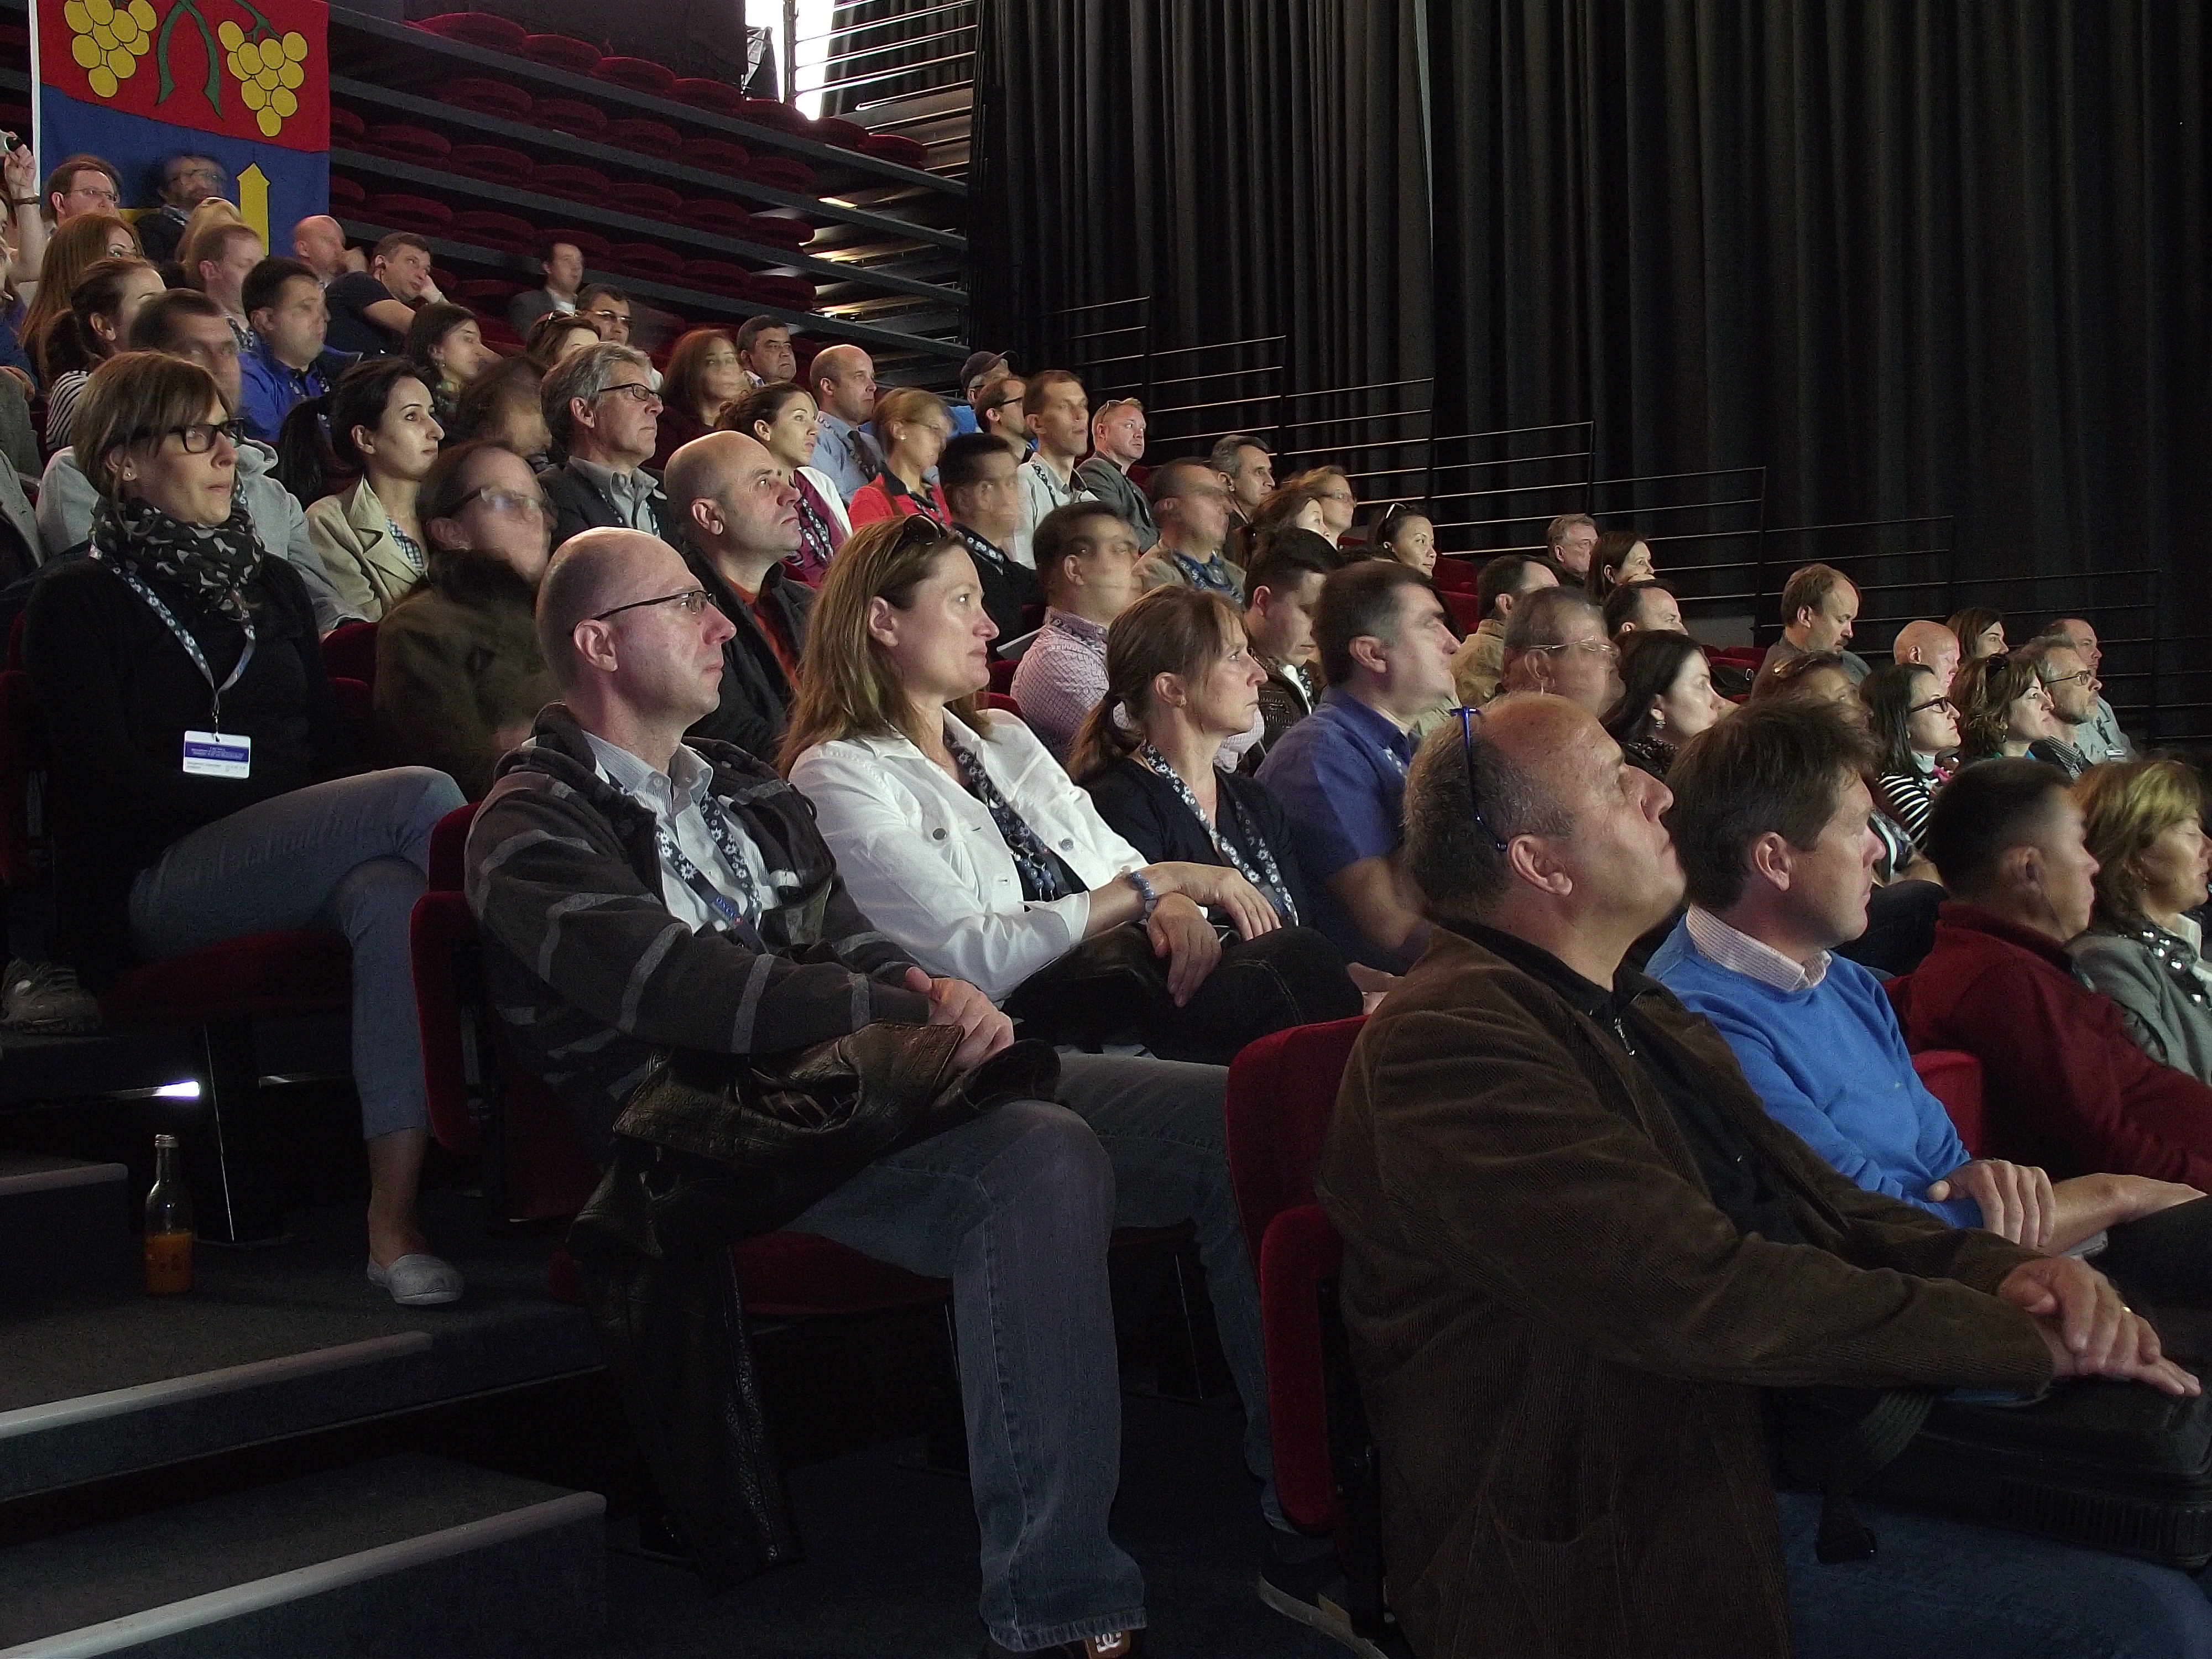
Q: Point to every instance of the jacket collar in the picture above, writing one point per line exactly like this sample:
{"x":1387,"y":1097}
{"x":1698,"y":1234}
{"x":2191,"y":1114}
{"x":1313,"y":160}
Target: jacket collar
{"x":480,"y":579}
{"x":1965,"y":918}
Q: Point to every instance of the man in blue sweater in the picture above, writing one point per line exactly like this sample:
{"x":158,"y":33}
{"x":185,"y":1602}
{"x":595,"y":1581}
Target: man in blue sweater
{"x":1770,"y":825}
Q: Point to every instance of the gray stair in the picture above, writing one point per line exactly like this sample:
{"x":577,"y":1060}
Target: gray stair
{"x":408,"y":1555}
{"x":64,"y":1228}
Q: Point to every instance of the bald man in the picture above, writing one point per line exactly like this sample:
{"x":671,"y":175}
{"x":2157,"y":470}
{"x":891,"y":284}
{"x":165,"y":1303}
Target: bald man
{"x":842,"y":379}
{"x":1931,"y":644}
{"x":738,"y":517}
{"x":318,"y":242}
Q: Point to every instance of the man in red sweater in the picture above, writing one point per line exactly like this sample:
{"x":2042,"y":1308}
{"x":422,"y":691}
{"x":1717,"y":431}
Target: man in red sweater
{"x":2068,"y":1087}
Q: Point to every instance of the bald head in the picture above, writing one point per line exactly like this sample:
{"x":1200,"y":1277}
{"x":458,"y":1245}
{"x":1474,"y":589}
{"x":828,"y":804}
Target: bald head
{"x":842,"y":379}
{"x":592,"y":573}
{"x":1932,"y":646}
{"x":736,"y":503}
{"x":319,"y":241}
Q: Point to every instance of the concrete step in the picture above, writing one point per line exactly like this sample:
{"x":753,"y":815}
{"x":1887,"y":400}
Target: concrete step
{"x":407,"y":1556}
{"x":64,"y":1228}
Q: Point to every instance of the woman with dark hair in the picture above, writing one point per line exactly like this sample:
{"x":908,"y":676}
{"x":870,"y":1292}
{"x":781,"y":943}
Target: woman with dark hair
{"x":558,"y":335}
{"x":705,"y":376}
{"x":1620,"y":557}
{"x":1817,"y":670}
{"x":107,"y":296}
{"x":1406,"y":533}
{"x":1912,"y":721}
{"x":1667,"y":698}
{"x":2003,"y":709}
{"x":781,"y":416}
{"x":383,"y":435}
{"x":204,"y":786}
{"x":501,"y":406}
{"x":1330,"y":488}
{"x":1980,"y":633}
{"x":445,"y":344}
{"x":2143,"y":822}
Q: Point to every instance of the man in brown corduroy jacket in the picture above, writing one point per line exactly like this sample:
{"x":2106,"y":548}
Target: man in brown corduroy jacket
{"x":1577,"y":1247}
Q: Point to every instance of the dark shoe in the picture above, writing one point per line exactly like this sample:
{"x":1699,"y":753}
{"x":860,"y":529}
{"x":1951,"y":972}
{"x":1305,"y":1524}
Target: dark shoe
{"x":44,"y":997}
{"x":1312,"y":1591}
{"x":1126,"y":1645}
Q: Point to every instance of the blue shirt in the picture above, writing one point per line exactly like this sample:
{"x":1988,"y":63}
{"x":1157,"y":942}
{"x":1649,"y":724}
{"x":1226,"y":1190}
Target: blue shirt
{"x":269,"y":388}
{"x":1832,"y":1067}
{"x":847,"y":453}
{"x":964,"y":419}
{"x":1340,"y":775}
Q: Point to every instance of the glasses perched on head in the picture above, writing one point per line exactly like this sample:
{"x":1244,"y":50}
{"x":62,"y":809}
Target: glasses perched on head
{"x":1467,"y":719}
{"x":692,"y":602}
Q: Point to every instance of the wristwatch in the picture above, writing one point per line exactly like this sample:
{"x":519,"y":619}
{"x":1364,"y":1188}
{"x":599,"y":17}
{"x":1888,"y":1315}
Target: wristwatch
{"x":1145,"y":892}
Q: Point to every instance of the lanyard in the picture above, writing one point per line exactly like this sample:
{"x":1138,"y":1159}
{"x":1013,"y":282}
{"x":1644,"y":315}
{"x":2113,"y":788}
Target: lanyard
{"x":895,"y":488}
{"x":1268,"y":878}
{"x":192,"y":645}
{"x":692,"y":876}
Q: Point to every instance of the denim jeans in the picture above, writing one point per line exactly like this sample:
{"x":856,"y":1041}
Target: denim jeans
{"x":348,"y":855}
{"x":1939,"y":1589}
{"x":1017,"y":1208}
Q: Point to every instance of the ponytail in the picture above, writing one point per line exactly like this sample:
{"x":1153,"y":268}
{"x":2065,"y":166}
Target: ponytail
{"x":1109,"y":735}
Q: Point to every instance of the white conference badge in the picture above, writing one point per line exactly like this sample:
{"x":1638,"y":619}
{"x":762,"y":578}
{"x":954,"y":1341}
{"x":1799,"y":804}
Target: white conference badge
{"x":218,"y":755}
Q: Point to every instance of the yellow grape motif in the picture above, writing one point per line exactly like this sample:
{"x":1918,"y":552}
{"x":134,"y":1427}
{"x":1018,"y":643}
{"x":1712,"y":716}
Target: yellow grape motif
{"x":107,"y":41}
{"x":268,"y":72}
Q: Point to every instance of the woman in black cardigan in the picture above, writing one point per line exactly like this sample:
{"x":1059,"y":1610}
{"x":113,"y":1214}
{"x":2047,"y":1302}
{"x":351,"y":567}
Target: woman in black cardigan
{"x":204,"y":787}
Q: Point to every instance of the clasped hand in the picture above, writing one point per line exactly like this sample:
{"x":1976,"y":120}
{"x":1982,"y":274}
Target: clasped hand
{"x":2089,"y":1331}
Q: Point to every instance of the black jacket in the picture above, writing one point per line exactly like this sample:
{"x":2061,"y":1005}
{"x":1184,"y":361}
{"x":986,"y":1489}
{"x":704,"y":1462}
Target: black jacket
{"x":755,"y":693}
{"x":578,"y":505}
{"x":1142,"y":808}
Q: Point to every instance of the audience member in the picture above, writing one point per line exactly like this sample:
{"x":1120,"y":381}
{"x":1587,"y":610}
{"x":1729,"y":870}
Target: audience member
{"x":2003,"y":710}
{"x":1571,"y":539}
{"x":77,"y":186}
{"x":1769,"y":824}
{"x":706,"y":374}
{"x":999,"y":415}
{"x":181,"y":636}
{"x":764,"y":353}
{"x":1555,"y":641}
{"x":1980,"y":633}
{"x":502,"y":406}
{"x":1478,"y":665}
{"x":1931,"y":644}
{"x":982,"y":370}
{"x":1247,"y":465}
{"x":1332,"y":488}
{"x":556,"y":336}
{"x":1117,"y":443}
{"x":1406,"y":532}
{"x":80,"y":185}
{"x":2069,"y":1088}
{"x":1057,"y":412}
{"x":1291,"y":506}
{"x":2072,"y":687}
{"x":222,"y":259}
{"x":460,"y":675}
{"x":1015,"y":1207}
{"x":1190,"y":506}
{"x":106,"y":300}
{"x":604,"y":415}
{"x":2101,"y":739}
{"x":371,"y":310}
{"x":842,"y":380}
{"x":607,"y":309}
{"x":318,"y":242}
{"x":1641,"y":607}
{"x":1667,"y":698}
{"x":1573,"y":1241}
{"x":288,"y":362}
{"x":2143,"y":823}
{"x":1281,"y":589}
{"x":982,"y":490}
{"x":781,"y":416}
{"x":738,"y":516}
{"x":1818,"y":605}
{"x":1620,"y":557}
{"x":384,"y":434}
{"x":1386,"y":650}
{"x":911,"y":428}
{"x":1821,"y":673}
{"x":1086,"y":565}
{"x":1913,"y":725}
{"x":70,"y":251}
{"x":188,"y":326}
{"x":186,"y":182}
{"x":563,"y":263}
{"x":446,"y":347}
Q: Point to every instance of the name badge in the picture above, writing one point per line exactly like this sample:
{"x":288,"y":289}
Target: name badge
{"x":218,"y":755}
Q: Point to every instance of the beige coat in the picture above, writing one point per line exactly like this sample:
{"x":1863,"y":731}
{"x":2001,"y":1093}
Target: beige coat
{"x":353,"y":534}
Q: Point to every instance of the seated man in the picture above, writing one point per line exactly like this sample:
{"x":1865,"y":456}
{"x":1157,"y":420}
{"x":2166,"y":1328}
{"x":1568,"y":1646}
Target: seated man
{"x":2101,"y":739}
{"x":2072,"y":686}
{"x":1818,"y":605}
{"x":1386,"y":650}
{"x":1505,"y":581}
{"x":1086,"y":564}
{"x":1645,"y":605}
{"x":2076,"y":1092}
{"x":737,"y":513}
{"x":980,"y":477}
{"x":1191,"y":506}
{"x":1932,"y":646}
{"x":1556,"y":642}
{"x":286,"y":363}
{"x":715,"y":917}
{"x":370,"y":310}
{"x":1284,"y":585}
{"x":1770,"y":825}
{"x":602,"y":411}
{"x":1576,"y":1250}
{"x":1117,"y":443}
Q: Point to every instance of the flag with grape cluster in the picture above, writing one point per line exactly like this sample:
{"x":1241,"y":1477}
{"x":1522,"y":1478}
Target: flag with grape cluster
{"x":245,"y":83}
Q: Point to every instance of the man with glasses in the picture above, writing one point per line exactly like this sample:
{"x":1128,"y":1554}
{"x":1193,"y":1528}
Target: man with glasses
{"x":999,"y":415}
{"x":186,"y":181}
{"x":1555,"y":641}
{"x":82,"y":184}
{"x":1191,"y":506}
{"x":2099,"y":739}
{"x":603,"y":412}
{"x":2072,"y":686}
{"x":982,"y":370}
{"x":370,"y":310}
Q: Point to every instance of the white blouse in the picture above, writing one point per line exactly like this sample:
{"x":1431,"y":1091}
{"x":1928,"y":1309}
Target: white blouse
{"x":928,"y":866}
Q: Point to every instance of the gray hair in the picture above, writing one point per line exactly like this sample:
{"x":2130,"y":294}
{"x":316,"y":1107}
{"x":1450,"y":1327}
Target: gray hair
{"x":1541,"y":618}
{"x":1224,"y":458}
{"x":2036,"y":654}
{"x":1455,"y":861}
{"x":586,"y":374}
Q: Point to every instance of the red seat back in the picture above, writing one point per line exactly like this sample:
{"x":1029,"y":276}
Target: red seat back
{"x":1282,"y":1093}
{"x":1955,"y":1078}
{"x":1466,"y":609}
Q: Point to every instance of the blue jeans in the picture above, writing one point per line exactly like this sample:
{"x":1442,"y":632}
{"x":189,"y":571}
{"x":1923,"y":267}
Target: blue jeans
{"x":348,"y":855}
{"x":1940,"y":1589}
{"x":1017,"y":1208}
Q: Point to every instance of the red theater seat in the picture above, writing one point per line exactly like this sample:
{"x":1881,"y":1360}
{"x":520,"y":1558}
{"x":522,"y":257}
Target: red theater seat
{"x":1001,"y":701}
{"x":570,"y":115}
{"x":846,"y":135}
{"x":722,"y":218}
{"x":578,"y":184}
{"x":476,"y":28}
{"x":648,"y":259}
{"x":1955,"y":1078}
{"x":400,"y":142}
{"x":781,"y":173}
{"x":768,"y":112}
{"x":655,"y":201}
{"x":559,"y":52}
{"x":647,"y":137}
{"x":719,"y":155}
{"x":493,"y":163}
{"x":780,"y":229}
{"x":491,"y":293}
{"x":345,"y":193}
{"x":892,"y":147}
{"x":419,"y":213}
{"x":702,"y":93}
{"x":638,"y":73}
{"x":717,"y":276}
{"x":346,"y":127}
{"x":502,"y":231}
{"x":350,"y":652}
{"x":486,"y":97}
{"x":791,"y":293}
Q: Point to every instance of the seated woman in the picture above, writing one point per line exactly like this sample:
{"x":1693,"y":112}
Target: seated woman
{"x":107,"y":296}
{"x":1619,"y":557}
{"x":383,"y":435}
{"x":1406,"y":533}
{"x":72,"y":250}
{"x":558,"y":335}
{"x":782,"y":417}
{"x":2003,"y":710}
{"x":1287,"y":507}
{"x":963,"y":839}
{"x":2143,"y":822}
{"x":445,"y":344}
{"x":1667,"y":698}
{"x":912,"y":429}
{"x":1980,"y":633}
{"x":459,"y":677}
{"x":502,"y":406}
{"x":177,"y":628}
{"x":705,"y":376}
{"x":1913,"y":721}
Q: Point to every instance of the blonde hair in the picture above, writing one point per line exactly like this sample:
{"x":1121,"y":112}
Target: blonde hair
{"x":904,"y":405}
{"x":1172,"y":631}
{"x":846,"y":687}
{"x":2125,"y":806}
{"x":137,"y":397}
{"x":206,"y":228}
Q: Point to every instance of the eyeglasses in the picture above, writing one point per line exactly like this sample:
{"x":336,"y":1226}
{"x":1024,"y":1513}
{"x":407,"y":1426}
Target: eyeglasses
{"x":2069,"y":680}
{"x":1594,"y":647}
{"x":1467,"y":719}
{"x":197,"y":438}
{"x":1932,"y":702}
{"x":507,"y":500}
{"x":636,"y":389}
{"x":692,"y":602}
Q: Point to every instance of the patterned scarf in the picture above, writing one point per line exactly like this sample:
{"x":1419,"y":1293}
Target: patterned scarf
{"x":216,"y":564}
{"x":1045,"y":875}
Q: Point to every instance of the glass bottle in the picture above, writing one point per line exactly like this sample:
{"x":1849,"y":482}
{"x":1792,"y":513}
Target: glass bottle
{"x":168,"y":1224}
